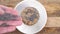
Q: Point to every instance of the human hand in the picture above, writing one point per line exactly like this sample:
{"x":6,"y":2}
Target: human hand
{"x":7,"y":25}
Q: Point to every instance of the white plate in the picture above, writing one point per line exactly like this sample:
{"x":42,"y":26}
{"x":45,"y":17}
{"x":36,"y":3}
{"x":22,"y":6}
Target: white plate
{"x":42,"y":19}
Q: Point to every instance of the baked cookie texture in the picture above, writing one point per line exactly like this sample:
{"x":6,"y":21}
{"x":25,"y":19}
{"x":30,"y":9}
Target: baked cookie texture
{"x":30,"y":16}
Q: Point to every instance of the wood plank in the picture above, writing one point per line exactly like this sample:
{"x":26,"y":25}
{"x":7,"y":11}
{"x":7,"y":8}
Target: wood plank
{"x":53,"y":22}
{"x":46,"y":30}
{"x":53,"y":11}
{"x":52,"y":7}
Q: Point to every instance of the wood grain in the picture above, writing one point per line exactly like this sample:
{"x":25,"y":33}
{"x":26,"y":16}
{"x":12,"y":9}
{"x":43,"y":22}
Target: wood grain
{"x":46,"y":30}
{"x":53,"y":12}
{"x":52,"y":7}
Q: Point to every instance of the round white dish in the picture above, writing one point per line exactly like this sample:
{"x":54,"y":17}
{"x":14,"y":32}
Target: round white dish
{"x":42,"y":19}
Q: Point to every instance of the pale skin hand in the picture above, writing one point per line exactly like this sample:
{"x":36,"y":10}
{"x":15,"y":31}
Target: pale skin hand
{"x":12,"y":24}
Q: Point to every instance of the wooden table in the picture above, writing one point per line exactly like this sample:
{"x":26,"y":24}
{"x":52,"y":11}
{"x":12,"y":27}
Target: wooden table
{"x":53,"y":12}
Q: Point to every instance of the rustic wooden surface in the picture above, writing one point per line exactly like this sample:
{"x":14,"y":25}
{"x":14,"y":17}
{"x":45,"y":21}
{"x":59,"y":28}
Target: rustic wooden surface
{"x":53,"y":12}
{"x":52,"y":7}
{"x":46,"y":30}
